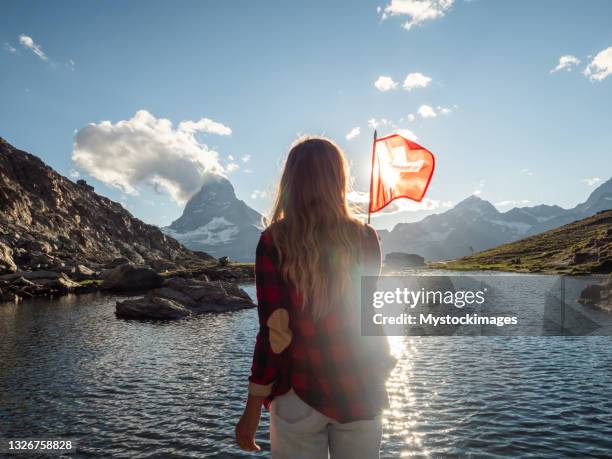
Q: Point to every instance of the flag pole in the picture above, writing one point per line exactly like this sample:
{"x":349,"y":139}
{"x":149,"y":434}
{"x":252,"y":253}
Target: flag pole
{"x":372,"y":175}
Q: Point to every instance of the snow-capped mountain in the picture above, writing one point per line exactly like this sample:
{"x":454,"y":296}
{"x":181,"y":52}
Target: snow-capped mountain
{"x":475,"y":224}
{"x":217,"y":222}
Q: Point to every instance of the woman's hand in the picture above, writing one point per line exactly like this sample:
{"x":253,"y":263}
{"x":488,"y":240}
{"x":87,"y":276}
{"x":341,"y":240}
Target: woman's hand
{"x":247,"y":426}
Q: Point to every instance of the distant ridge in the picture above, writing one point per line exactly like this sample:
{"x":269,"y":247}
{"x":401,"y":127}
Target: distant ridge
{"x":474,"y":225}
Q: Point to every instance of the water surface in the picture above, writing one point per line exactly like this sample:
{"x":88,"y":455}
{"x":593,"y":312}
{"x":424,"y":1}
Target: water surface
{"x":69,"y":368}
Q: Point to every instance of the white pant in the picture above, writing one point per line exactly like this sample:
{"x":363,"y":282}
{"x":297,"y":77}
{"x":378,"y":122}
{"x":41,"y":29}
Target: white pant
{"x":298,"y":431}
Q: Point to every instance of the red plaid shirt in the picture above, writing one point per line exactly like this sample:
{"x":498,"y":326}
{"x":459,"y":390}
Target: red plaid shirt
{"x":329,"y":365}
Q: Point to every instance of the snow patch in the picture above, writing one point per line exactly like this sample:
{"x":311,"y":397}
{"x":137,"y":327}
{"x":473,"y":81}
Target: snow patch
{"x":216,"y":232}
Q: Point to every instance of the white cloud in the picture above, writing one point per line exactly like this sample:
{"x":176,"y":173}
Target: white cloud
{"x":527,"y":172}
{"x":74,"y":173}
{"x":28,"y":43}
{"x":426,"y":111}
{"x":9,"y":48}
{"x":601,"y":66}
{"x":353,"y":133}
{"x":411,"y":117}
{"x":204,"y":125}
{"x":375,"y":123}
{"x":358,"y":200}
{"x":245,"y":158}
{"x":385,"y":83}
{"x":566,"y":62}
{"x":415,"y":80}
{"x":417,"y":11}
{"x":510,"y":202}
{"x":258,"y":194}
{"x":145,"y":150}
{"x":70,"y":64}
{"x":592,"y":181}
{"x":444,"y":110}
{"x":231,"y":167}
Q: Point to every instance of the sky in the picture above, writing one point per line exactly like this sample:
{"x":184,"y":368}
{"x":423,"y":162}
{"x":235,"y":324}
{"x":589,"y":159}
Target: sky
{"x":143,"y":98}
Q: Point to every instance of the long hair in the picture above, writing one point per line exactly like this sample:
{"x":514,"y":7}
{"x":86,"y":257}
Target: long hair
{"x":316,"y":236}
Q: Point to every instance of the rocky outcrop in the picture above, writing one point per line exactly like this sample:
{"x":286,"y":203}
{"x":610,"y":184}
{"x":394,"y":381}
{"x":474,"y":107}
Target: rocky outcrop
{"x":49,"y":222}
{"x":399,"y":260}
{"x":128,"y":277}
{"x":26,"y":284}
{"x":57,"y":236}
{"x":181,"y":297}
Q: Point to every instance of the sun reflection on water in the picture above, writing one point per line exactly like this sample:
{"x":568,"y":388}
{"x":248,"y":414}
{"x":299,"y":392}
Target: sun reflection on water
{"x":400,"y":420}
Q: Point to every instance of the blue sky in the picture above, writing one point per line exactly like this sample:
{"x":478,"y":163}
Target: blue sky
{"x":269,"y":71}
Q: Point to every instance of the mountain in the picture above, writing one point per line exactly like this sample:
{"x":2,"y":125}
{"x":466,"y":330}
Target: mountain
{"x":46,"y":220}
{"x":581,"y":247}
{"x":474,"y":225}
{"x":216,"y":221}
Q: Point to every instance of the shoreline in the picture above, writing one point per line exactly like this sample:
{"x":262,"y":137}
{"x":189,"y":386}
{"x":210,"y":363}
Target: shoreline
{"x":44,"y":283}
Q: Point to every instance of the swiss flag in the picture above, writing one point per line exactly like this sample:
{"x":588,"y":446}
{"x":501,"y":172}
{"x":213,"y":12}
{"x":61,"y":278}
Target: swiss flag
{"x":400,"y":169}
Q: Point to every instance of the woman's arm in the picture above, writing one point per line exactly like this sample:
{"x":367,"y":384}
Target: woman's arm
{"x":266,"y":356}
{"x":249,"y":421}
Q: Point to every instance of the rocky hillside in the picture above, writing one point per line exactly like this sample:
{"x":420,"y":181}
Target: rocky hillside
{"x":474,"y":225}
{"x":217,"y":222}
{"x":49,"y":222}
{"x":581,"y":247}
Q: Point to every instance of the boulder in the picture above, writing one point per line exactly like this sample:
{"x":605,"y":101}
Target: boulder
{"x":174,"y":295}
{"x":224,"y":261}
{"x":404,"y":260}
{"x":32,"y":275}
{"x":192,"y":295}
{"x":7,"y":265}
{"x":9,"y":297}
{"x":62,"y":283}
{"x":163,"y":265}
{"x":150,"y":307}
{"x":36,"y":246}
{"x":580,"y":257}
{"x":117,"y":262}
{"x":598,"y":295}
{"x":82,"y":272}
{"x":131,"y":278}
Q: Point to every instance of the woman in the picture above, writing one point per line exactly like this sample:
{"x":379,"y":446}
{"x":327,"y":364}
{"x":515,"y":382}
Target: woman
{"x":323,"y":382}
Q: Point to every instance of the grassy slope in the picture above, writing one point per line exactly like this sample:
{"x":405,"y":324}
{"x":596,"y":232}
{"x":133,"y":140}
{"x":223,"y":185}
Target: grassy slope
{"x":552,"y":251}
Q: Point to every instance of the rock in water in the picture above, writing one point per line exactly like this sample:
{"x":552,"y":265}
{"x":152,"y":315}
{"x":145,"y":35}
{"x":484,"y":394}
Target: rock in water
{"x":192,"y":296}
{"x":404,"y":260}
{"x":598,"y":295}
{"x":131,"y":278}
{"x":150,"y":308}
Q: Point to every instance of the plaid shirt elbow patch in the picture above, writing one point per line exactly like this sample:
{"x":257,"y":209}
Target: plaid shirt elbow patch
{"x":323,"y":363}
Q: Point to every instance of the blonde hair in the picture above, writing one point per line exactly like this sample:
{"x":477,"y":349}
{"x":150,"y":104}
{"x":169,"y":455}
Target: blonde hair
{"x":312,"y":227}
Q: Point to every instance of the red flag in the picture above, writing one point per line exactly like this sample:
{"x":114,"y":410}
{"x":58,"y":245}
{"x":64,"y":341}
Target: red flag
{"x":400,"y":169}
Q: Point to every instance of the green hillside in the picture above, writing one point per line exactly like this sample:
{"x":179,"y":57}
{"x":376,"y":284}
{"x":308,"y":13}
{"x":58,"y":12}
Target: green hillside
{"x":581,"y":247}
